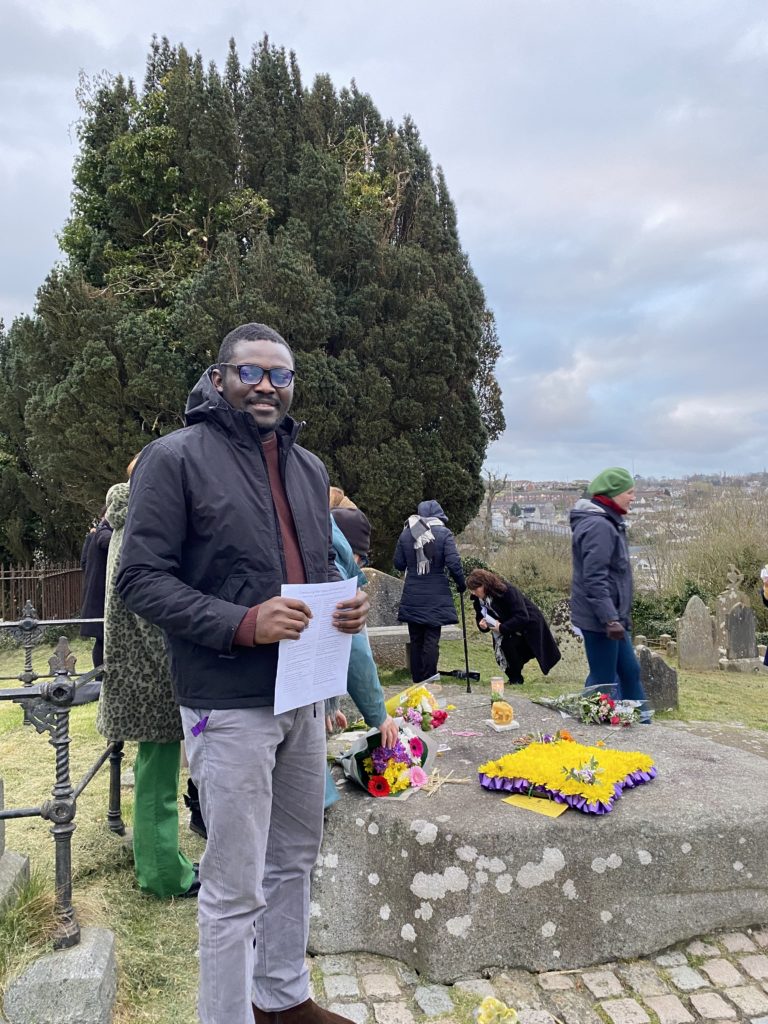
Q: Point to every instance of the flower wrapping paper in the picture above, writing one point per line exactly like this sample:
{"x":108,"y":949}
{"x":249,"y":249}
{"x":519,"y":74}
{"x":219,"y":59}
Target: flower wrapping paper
{"x":351,"y":759}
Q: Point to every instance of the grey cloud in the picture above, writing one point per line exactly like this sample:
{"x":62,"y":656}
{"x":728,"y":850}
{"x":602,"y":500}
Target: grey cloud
{"x":608,"y":166}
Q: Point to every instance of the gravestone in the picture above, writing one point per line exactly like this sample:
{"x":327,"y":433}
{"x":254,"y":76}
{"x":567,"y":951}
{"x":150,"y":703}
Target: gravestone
{"x":659,"y":679}
{"x":71,"y":986}
{"x":384,"y":593}
{"x":696,"y":647}
{"x":572,"y":667}
{"x":741,"y":654}
{"x":740,"y":633}
{"x":732,"y":596}
{"x":14,"y":869}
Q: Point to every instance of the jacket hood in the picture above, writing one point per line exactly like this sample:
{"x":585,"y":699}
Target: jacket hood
{"x":584,"y":509}
{"x":431,"y":509}
{"x":206,"y":404}
{"x":117,"y":505}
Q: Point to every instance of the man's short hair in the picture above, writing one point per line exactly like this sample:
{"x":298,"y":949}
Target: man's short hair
{"x":249,"y":332}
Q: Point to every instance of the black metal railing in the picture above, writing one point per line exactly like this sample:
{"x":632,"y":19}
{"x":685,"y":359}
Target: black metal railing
{"x":47,"y":706}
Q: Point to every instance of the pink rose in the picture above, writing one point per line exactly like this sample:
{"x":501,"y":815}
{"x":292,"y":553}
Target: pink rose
{"x":418,"y":777}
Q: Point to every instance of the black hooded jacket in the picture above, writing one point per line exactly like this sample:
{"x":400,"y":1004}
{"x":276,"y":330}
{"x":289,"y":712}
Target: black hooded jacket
{"x":202,"y":545}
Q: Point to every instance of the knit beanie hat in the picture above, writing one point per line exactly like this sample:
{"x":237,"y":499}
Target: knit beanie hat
{"x":611,"y":482}
{"x":356,"y":528}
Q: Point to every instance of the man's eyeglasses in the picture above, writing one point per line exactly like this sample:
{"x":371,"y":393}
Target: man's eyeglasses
{"x":249,"y":373}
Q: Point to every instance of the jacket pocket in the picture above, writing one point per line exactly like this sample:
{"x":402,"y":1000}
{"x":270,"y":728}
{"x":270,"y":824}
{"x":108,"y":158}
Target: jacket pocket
{"x":250,"y":588}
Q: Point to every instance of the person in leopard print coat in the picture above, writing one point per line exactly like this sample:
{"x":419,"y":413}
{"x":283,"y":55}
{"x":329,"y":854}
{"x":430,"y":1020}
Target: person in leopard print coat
{"x":137,"y":703}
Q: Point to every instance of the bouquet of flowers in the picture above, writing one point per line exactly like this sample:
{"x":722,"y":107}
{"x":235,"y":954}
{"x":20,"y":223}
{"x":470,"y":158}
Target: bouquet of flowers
{"x":417,"y":707}
{"x":387,"y":771}
{"x":594,"y":706}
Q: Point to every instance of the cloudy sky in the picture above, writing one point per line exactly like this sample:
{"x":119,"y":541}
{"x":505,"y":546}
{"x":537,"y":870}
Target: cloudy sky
{"x":609,"y":163}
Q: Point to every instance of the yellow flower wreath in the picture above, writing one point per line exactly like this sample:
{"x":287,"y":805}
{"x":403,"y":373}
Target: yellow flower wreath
{"x":542,"y":764}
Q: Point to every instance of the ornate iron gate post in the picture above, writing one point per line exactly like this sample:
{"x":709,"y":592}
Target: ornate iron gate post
{"x":114,"y":813}
{"x":46,"y":706}
{"x":60,"y":809}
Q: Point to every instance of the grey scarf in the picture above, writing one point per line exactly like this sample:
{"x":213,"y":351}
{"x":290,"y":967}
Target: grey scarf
{"x":422,"y":534}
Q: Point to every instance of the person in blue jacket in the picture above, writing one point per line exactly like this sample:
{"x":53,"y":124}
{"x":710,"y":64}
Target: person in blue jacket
{"x":363,"y":684}
{"x":601,"y":589}
{"x":426,"y":548}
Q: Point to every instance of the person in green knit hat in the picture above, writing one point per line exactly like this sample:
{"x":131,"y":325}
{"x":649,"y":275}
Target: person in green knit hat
{"x":601,"y":589}
{"x":137,"y":703}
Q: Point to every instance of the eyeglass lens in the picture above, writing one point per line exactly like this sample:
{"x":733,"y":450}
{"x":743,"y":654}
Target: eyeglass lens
{"x":279,"y":377}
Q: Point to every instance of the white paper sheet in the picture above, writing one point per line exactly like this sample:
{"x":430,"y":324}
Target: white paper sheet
{"x":314,"y":666}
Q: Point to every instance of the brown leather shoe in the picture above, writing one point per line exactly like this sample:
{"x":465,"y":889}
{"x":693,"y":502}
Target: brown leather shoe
{"x":307,"y":1012}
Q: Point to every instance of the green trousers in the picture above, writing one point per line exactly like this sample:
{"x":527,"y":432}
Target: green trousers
{"x":161,"y":868}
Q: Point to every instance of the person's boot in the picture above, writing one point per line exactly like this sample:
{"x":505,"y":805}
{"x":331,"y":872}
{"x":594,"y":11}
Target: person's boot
{"x":196,"y":820}
{"x":307,"y":1012}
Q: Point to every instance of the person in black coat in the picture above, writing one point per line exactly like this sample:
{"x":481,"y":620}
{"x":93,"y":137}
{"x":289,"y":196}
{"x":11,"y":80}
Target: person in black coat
{"x":426,"y":548}
{"x":93,"y":562}
{"x":519,"y":629}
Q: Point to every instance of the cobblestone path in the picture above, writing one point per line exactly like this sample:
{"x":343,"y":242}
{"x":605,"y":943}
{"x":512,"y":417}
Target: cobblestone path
{"x":722,"y":977}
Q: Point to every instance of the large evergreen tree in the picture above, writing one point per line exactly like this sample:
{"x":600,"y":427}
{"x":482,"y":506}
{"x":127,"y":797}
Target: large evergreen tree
{"x":204,"y":201}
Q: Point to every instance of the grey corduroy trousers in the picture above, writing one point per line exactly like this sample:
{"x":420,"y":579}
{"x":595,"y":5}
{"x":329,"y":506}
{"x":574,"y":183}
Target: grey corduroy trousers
{"x":261,"y":779}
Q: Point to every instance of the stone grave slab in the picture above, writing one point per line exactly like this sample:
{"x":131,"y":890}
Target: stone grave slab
{"x":461,"y":883}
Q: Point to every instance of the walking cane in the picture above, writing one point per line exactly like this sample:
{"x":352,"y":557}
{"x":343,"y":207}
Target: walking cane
{"x":466,"y":652}
{"x":463,"y":673}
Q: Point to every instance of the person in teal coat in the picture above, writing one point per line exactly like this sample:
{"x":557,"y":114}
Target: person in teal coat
{"x":363,"y":684}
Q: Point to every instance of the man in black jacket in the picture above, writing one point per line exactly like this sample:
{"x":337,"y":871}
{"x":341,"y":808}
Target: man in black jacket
{"x":222,"y":513}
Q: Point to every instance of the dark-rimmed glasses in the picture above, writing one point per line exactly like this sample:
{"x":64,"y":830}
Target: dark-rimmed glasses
{"x":249,"y":373}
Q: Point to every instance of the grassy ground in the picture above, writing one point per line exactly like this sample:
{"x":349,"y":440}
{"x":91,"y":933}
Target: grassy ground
{"x":157,"y":940}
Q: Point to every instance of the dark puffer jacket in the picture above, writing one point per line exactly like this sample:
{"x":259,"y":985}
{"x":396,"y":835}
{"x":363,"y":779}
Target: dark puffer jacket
{"x":601,"y":590}
{"x":202,"y":545}
{"x":427,"y":598}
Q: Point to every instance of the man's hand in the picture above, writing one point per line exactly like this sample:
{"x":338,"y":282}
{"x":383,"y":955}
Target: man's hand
{"x":389,"y":732}
{"x":614,"y":631}
{"x":281,"y":618}
{"x":483,"y":626}
{"x":350,"y":616}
